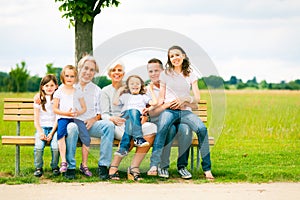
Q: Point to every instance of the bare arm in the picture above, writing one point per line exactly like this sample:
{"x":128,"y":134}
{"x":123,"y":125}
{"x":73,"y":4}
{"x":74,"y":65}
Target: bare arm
{"x":116,"y":100}
{"x":153,"y":101}
{"x":37,"y":124}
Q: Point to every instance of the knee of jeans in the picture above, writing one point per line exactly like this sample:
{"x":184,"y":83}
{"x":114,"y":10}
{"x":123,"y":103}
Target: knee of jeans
{"x":202,"y":130}
{"x":72,"y":130}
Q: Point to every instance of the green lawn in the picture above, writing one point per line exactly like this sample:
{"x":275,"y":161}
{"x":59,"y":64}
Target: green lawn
{"x":259,"y":142}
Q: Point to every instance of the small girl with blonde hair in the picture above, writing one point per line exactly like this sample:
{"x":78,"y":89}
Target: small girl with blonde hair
{"x":69,"y":104}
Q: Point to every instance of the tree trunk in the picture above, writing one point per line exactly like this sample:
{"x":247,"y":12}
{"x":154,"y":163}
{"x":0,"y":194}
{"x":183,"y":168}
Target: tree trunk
{"x":83,"y":38}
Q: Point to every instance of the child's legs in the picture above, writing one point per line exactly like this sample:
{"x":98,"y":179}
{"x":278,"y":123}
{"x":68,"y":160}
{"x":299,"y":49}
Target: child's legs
{"x":125,"y":142}
{"x":85,"y":139}
{"x":54,"y":151}
{"x":83,"y":132}
{"x":38,"y":151}
{"x":62,"y":148}
{"x":135,"y":120}
{"x":61,"y":135}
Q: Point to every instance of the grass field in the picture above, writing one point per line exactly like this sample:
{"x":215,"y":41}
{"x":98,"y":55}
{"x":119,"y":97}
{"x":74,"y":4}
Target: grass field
{"x":259,"y":142}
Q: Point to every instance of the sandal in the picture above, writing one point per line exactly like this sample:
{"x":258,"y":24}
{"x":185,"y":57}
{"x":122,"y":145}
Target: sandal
{"x":115,"y":176}
{"x":133,"y":175}
{"x":63,"y":167}
{"x":208,"y":176}
{"x":85,"y":171}
{"x":152,"y":171}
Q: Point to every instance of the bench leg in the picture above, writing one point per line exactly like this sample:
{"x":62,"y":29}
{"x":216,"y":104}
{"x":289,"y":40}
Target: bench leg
{"x":17,"y":161}
{"x":198,"y":158}
{"x":192,"y":158}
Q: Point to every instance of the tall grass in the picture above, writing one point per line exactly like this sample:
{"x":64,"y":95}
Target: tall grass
{"x":259,"y":142}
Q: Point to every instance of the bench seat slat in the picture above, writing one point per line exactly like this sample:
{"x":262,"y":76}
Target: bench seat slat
{"x":29,"y":141}
{"x":18,"y":111}
{"x":21,"y":118}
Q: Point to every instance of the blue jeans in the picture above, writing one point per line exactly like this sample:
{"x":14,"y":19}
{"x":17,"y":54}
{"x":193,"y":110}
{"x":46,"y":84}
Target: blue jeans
{"x":169,"y":117}
{"x":83,"y":132}
{"x":133,"y":128}
{"x":184,"y":138}
{"x":103,"y":129}
{"x":39,"y":147}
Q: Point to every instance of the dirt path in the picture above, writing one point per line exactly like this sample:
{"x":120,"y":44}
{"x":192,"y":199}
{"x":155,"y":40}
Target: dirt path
{"x":109,"y":191}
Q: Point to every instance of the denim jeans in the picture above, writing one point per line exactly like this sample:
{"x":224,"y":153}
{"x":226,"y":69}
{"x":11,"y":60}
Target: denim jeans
{"x":183,"y":134}
{"x":103,"y":129}
{"x":71,"y":144}
{"x":133,"y":128}
{"x":39,"y":147}
{"x":169,"y":117}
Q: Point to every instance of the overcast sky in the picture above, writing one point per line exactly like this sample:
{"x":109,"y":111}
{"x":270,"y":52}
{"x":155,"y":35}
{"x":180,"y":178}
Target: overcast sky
{"x":245,"y":38}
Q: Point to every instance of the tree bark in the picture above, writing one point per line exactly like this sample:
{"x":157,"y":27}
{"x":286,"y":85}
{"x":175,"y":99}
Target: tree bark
{"x":83,"y":38}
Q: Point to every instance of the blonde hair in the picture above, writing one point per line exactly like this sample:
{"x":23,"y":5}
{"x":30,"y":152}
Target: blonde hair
{"x":62,"y":74}
{"x":87,"y":58}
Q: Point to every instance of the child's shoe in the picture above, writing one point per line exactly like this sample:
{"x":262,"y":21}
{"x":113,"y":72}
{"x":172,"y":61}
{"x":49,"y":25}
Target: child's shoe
{"x":63,"y":167}
{"x":55,"y":171}
{"x":38,"y":172}
{"x":85,"y":171}
{"x":141,"y":142}
{"x":121,"y":153}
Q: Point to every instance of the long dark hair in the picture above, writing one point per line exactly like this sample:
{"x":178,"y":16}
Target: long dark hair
{"x":142,"y":90}
{"x":44,"y":81}
{"x":186,"y":69}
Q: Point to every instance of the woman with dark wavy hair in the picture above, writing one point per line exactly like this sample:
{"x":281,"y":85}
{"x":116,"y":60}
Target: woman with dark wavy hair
{"x":175,"y":84}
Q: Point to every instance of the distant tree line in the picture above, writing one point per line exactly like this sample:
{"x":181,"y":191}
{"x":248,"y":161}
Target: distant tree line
{"x":19,"y":80}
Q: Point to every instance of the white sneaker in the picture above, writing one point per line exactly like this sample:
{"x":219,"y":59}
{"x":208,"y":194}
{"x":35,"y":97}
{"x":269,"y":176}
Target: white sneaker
{"x":184,"y":173}
{"x":163,"y":172}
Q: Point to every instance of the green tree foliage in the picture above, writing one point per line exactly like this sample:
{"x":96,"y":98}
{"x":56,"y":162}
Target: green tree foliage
{"x":214,"y":82}
{"x":18,"y":78}
{"x":81,"y":14}
{"x":54,"y":70}
{"x":4,"y":78}
{"x":252,"y":83}
{"x":201,"y":84}
{"x":102,"y":81}
{"x":33,"y":83}
{"x":233,"y":80}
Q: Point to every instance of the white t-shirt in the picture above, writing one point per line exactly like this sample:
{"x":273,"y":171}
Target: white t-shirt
{"x":92,"y":94}
{"x":177,"y":85}
{"x":46,"y":118}
{"x":136,"y":101}
{"x":68,"y":101}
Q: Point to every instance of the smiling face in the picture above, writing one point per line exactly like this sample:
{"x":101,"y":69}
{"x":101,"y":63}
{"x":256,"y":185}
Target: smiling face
{"x":176,"y":57}
{"x":87,"y":72}
{"x":69,"y":77}
{"x":116,"y":74}
{"x":49,"y":88}
{"x":134,"y":85}
{"x":154,"y":70}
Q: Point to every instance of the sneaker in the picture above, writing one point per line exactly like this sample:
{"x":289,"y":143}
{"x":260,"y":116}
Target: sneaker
{"x":38,"y":172}
{"x":63,"y":167}
{"x":141,"y":142}
{"x":163,"y":172}
{"x":55,"y":171}
{"x":85,"y":171}
{"x":70,"y":174}
{"x":184,"y":173}
{"x":121,"y":153}
{"x":103,"y":172}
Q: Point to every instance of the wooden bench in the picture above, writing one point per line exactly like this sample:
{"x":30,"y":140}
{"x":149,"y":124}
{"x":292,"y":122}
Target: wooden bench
{"x":21,"y":110}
